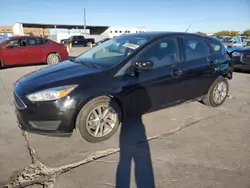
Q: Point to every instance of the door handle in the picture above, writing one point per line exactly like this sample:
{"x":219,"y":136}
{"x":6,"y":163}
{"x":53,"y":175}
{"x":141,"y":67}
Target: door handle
{"x":177,"y":73}
{"x":24,"y":50}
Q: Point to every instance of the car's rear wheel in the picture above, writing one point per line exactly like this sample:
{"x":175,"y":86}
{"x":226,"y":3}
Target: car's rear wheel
{"x":99,"y":119}
{"x":217,"y":93}
{"x":1,"y":64}
{"x":52,"y":59}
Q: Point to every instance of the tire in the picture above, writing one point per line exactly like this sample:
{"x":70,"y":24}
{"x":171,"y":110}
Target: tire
{"x":210,"y":99}
{"x":53,"y":59}
{"x":89,"y":44}
{"x":86,"y":113}
{"x":1,"y":65}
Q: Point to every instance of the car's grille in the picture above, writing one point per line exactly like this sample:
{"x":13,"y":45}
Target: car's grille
{"x":18,"y":102}
{"x":245,"y":58}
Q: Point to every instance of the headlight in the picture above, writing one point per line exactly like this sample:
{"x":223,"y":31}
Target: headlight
{"x":51,"y":94}
{"x":235,"y":54}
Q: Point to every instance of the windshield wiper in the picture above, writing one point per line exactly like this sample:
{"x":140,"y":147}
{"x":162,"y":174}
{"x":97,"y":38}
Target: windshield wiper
{"x":88,"y":64}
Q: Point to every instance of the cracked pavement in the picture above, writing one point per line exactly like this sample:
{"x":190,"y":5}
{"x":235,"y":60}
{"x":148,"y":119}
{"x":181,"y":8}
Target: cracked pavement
{"x":190,"y":145}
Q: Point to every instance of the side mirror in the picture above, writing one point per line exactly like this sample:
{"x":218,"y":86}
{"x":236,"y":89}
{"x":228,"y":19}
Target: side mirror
{"x":144,"y":65}
{"x":72,"y":58}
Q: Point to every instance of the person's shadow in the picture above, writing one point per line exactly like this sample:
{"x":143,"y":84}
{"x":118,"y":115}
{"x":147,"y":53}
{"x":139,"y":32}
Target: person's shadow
{"x":134,"y":147}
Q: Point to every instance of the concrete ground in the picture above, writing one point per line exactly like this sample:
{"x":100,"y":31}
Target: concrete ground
{"x":190,"y":145}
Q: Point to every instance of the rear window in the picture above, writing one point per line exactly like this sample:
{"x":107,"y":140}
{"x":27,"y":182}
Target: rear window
{"x":46,"y":41}
{"x":217,"y":47}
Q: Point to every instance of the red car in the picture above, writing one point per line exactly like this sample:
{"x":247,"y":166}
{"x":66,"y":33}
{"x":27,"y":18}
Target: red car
{"x":21,"y":50}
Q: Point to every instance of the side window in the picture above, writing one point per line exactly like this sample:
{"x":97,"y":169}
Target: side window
{"x":195,"y":48}
{"x":161,"y":53}
{"x":34,"y":41}
{"x":217,"y":47}
{"x":23,"y":42}
{"x":13,"y":43}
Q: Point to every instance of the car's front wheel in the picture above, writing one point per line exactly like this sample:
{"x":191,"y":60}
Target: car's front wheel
{"x":99,"y":119}
{"x":217,"y":93}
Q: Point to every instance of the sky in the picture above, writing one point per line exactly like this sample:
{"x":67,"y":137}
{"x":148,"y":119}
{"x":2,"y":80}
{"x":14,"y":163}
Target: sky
{"x":158,"y":15}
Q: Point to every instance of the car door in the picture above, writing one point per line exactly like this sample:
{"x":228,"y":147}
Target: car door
{"x":160,"y":86}
{"x":35,"y":50}
{"x":13,"y":54}
{"x":196,"y":70}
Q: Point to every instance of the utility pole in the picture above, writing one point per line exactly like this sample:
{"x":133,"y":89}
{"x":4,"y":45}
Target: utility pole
{"x":84,"y":18}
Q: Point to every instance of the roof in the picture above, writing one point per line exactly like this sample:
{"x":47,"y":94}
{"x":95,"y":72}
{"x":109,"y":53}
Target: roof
{"x":17,"y":37}
{"x":61,"y":26}
{"x":154,"y":34}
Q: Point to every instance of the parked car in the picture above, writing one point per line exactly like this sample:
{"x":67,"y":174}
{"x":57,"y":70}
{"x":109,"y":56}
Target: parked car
{"x":247,"y":41}
{"x":78,"y":40}
{"x":128,"y":75}
{"x":232,"y":43}
{"x":102,"y":41}
{"x":21,"y":50}
{"x":241,"y":58}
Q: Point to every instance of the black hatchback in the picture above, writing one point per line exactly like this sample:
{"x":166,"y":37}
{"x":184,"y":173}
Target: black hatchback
{"x":129,"y":75}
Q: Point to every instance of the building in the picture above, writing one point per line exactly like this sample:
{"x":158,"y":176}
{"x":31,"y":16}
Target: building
{"x":116,"y":31}
{"x":58,"y":32}
{"x":6,"y":31}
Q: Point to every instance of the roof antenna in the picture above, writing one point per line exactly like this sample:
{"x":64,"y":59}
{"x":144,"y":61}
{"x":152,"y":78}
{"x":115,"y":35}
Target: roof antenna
{"x":188,"y":27}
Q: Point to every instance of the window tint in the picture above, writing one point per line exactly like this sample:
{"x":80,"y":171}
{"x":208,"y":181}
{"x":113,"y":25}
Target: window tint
{"x":34,"y":41}
{"x":237,"y":39}
{"x":161,"y":53}
{"x":13,"y":43}
{"x":80,"y":37}
{"x":195,"y":48}
{"x":217,"y":47}
{"x":46,"y":41}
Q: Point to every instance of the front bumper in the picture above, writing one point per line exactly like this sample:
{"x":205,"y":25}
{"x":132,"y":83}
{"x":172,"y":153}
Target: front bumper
{"x":238,"y":64}
{"x":50,"y":118}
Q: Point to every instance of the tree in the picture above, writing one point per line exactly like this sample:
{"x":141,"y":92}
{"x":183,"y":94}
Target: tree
{"x":227,"y":33}
{"x":247,"y":33}
{"x":222,"y":33}
{"x":234,"y":33}
{"x":201,"y":33}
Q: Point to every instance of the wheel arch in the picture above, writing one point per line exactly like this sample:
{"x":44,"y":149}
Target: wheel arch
{"x":84,"y":102}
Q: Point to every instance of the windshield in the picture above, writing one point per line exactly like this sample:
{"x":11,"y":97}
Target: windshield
{"x":111,"y":52}
{"x":227,"y":39}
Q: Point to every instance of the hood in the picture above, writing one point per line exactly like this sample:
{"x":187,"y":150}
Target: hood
{"x":62,"y":72}
{"x":246,"y":49}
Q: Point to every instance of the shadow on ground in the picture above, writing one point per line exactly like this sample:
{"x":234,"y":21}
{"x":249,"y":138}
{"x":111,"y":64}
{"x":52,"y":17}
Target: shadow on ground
{"x":134,"y":147}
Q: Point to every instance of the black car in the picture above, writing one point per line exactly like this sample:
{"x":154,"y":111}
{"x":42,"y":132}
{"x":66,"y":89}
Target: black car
{"x":78,"y":40}
{"x":241,"y":59}
{"x":125,"y":76}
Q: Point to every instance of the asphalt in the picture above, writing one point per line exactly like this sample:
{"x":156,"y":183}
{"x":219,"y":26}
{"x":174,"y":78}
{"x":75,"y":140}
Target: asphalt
{"x":189,"y":145}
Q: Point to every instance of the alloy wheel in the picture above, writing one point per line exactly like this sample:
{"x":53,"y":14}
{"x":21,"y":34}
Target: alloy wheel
{"x":53,"y":59}
{"x":101,"y":121}
{"x":220,"y":92}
